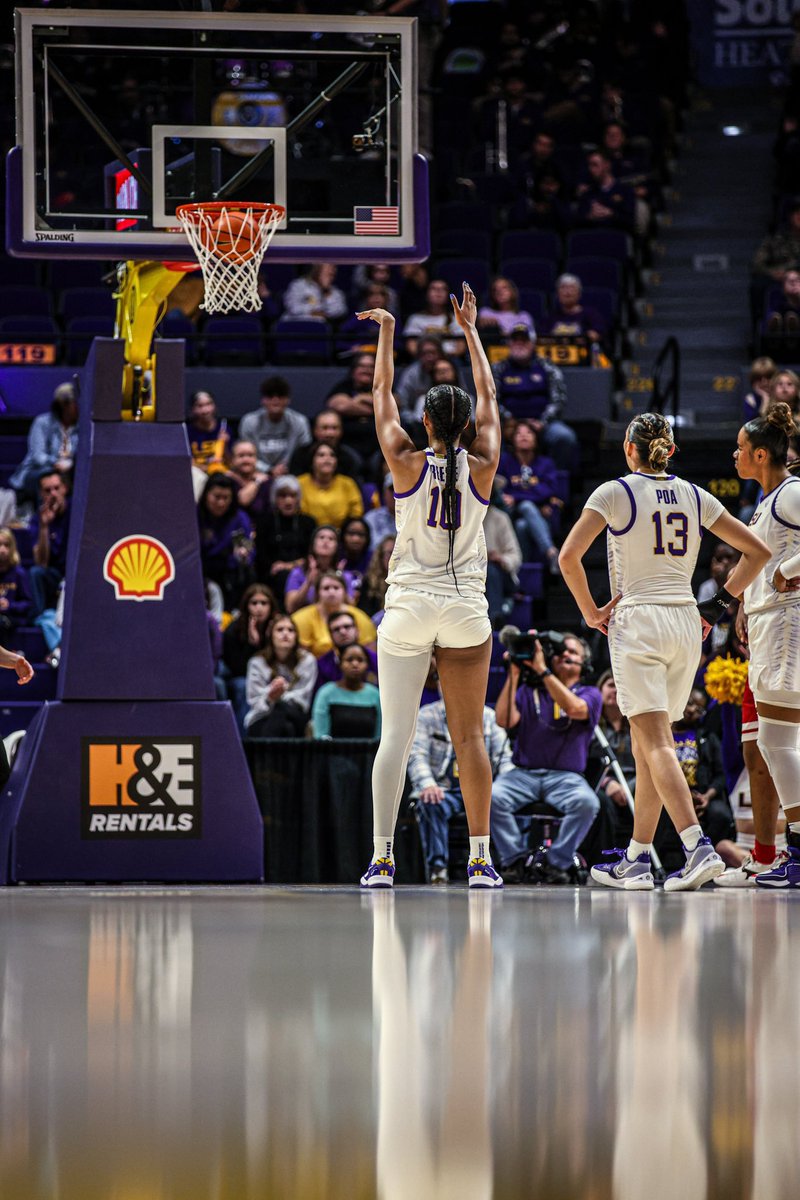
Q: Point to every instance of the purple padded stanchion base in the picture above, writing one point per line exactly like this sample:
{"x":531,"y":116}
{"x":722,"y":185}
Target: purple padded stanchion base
{"x":139,"y":791}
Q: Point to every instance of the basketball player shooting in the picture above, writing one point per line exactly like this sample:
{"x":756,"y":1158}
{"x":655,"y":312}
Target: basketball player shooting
{"x":437,"y":589}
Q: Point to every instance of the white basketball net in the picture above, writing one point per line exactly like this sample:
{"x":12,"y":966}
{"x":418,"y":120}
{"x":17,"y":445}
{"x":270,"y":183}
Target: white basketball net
{"x":230,"y":275}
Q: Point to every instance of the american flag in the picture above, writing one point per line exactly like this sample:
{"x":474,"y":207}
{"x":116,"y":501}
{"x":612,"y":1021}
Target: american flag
{"x":370,"y":220}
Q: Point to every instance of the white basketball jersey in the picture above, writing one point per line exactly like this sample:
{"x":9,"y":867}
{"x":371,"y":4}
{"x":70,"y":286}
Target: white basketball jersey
{"x":655,"y":526}
{"x":777,"y":522}
{"x":422,"y":547}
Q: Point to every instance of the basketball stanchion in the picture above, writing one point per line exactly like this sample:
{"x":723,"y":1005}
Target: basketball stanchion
{"x":230,"y":241}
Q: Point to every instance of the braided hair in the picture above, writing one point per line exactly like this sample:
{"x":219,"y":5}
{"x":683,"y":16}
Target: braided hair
{"x":652,"y":436}
{"x":449,"y":408}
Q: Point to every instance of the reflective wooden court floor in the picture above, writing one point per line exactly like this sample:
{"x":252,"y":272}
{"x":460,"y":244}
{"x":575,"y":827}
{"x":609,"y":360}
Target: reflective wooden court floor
{"x":304,"y":1043}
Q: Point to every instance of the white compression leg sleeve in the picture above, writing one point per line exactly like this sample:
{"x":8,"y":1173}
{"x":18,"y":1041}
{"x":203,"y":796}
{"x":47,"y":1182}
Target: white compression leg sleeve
{"x":402,"y":678}
{"x":779,"y":743}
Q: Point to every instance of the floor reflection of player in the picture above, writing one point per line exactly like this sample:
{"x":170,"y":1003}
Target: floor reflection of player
{"x":659,"y":1149}
{"x":433,"y":1143}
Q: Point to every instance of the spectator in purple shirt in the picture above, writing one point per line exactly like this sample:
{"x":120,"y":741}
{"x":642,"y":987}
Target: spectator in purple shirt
{"x":344,"y":632}
{"x":15,"y":593}
{"x":529,"y":493}
{"x":227,"y":548}
{"x":49,"y":533}
{"x":554,"y":716}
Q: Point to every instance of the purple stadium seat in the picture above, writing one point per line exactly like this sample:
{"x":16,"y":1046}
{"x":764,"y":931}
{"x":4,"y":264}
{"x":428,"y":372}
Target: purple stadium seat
{"x":25,"y":302}
{"x":86,"y":302}
{"x":531,"y":243}
{"x":599,"y":243}
{"x":299,"y":340}
{"x":234,"y":341}
{"x":597,"y":272}
{"x":455,"y":270}
{"x":539,"y":273}
{"x":81,"y":331}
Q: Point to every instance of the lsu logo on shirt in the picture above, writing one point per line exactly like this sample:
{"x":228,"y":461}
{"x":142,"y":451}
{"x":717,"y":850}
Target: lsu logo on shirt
{"x":140,"y":787}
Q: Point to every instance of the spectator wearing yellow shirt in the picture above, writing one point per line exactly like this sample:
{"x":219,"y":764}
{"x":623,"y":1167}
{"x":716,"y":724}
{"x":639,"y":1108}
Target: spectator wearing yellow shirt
{"x":327,"y":496}
{"x":311,"y":622}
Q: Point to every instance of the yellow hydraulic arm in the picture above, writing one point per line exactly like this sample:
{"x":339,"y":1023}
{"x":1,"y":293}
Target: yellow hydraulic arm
{"x":141,"y":296}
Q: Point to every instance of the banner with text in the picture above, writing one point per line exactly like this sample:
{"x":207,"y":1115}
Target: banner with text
{"x":742,"y":43}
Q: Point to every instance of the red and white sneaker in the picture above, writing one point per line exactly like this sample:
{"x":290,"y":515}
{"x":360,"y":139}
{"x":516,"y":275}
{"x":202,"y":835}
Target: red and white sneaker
{"x":745,"y":875}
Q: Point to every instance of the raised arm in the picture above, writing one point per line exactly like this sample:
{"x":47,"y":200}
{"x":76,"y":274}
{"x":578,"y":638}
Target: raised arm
{"x":394,"y":441}
{"x":485,"y":449}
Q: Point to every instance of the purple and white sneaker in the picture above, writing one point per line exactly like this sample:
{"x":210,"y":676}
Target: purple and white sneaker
{"x":783,"y":874}
{"x":702,"y":865}
{"x":481,"y":874}
{"x":379,"y":874}
{"x":636,"y":876}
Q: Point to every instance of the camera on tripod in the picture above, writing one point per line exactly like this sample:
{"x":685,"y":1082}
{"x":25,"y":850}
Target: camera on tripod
{"x":521,"y":647}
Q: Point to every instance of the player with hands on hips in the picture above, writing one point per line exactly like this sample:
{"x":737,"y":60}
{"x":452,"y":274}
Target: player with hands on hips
{"x":654,"y":524}
{"x":437,"y":589}
{"x":772,"y":609}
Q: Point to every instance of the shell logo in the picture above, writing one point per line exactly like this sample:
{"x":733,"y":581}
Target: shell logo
{"x":139,"y":567}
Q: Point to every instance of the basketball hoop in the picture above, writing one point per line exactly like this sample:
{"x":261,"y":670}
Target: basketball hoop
{"x":230,"y":240}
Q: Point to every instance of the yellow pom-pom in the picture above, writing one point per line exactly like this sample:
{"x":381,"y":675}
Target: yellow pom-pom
{"x":725,"y":679}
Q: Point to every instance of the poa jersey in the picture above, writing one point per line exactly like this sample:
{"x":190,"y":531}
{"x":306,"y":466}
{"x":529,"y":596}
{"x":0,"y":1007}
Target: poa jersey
{"x":422,"y":546}
{"x":777,"y":522}
{"x":655,"y":525}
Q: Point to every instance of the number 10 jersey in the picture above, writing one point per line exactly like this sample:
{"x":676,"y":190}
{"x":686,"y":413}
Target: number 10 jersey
{"x":420,"y":554}
{"x":655,"y":526}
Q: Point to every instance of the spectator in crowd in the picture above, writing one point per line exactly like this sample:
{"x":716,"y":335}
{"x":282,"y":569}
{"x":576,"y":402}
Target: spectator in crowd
{"x":380,"y":521}
{"x":529,"y":493}
{"x":372,"y":597}
{"x":283,"y":534}
{"x":630,"y":168}
{"x":784,"y":388}
{"x":280,"y":683}
{"x":351,"y":706}
{"x":245,"y":636}
{"x":415,"y":380}
{"x":531,"y":387}
{"x":604,"y":203}
{"x":700,"y":756}
{"x":570,"y":318}
{"x":539,"y":160}
{"x":52,"y":444}
{"x":253,"y":485}
{"x":437,"y":318}
{"x":209,"y":439}
{"x":15,"y":592}
{"x":344,"y":632}
{"x":554,"y":715}
{"x":433,"y":774}
{"x":327,"y":496}
{"x":547,"y":207}
{"x":323,"y":555}
{"x":374,"y":275}
{"x":276,"y":428}
{"x":227,"y":549}
{"x":780,"y":252}
{"x":723,"y":559}
{"x":503,"y":558}
{"x":502,"y":313}
{"x":761,"y":372}
{"x":316,"y":295}
{"x":351,"y":398}
{"x":413,"y":289}
{"x":327,"y":429}
{"x":610,"y":792}
{"x":312,"y":620}
{"x":354,"y":547}
{"x":49,"y":534}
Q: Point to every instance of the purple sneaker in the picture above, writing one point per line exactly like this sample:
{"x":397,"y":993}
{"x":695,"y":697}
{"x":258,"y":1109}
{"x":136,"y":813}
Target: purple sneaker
{"x":379,"y":874}
{"x":702,"y":865}
{"x":636,"y":876}
{"x":784,"y":874}
{"x":481,"y":874}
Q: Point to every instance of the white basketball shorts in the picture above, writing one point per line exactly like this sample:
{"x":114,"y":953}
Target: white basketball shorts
{"x":416,"y":621}
{"x":774,"y":671}
{"x":655,"y":653}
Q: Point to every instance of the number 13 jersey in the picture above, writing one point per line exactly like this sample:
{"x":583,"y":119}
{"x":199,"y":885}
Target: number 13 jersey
{"x":420,"y":554}
{"x":655,"y":526}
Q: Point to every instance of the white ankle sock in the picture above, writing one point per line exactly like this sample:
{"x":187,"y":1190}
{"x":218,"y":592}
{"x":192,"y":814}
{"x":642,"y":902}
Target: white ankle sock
{"x":637,"y":848}
{"x":382,"y":847}
{"x":479,"y":847}
{"x":690,"y":836}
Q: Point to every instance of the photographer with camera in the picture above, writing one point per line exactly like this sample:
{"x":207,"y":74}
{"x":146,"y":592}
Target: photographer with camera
{"x":554,"y":716}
